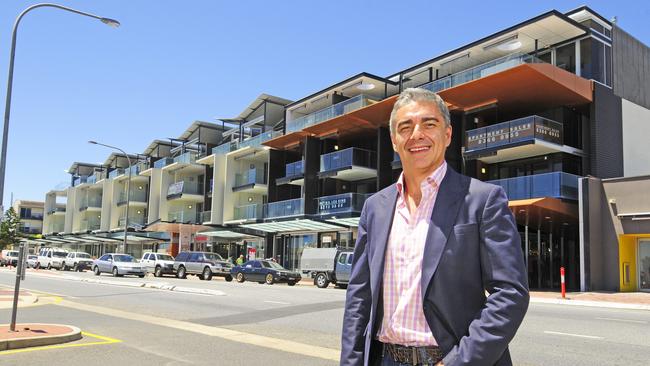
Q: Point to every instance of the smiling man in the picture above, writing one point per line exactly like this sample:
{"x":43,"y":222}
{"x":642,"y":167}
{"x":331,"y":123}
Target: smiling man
{"x":429,"y":249}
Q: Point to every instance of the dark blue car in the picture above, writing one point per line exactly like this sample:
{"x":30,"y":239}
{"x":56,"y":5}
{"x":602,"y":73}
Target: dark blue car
{"x":263,"y":271}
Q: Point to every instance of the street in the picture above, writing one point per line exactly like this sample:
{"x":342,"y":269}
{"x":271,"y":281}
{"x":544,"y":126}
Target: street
{"x":273,"y":325}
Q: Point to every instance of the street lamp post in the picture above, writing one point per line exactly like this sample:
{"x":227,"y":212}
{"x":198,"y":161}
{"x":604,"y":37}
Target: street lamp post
{"x":3,"y":160}
{"x":128,"y":190}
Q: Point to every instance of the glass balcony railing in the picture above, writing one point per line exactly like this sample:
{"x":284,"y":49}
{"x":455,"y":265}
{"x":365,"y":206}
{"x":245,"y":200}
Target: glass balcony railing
{"x":135,"y":196}
{"x":190,"y":217}
{"x":32,"y":216}
{"x":249,"y":212}
{"x":133,"y":221}
{"x":330,"y":112}
{"x":186,"y":158}
{"x":138,"y":168}
{"x":93,"y":179}
{"x":511,"y":132}
{"x":349,"y":157}
{"x":94,"y":201}
{"x":56,"y":228}
{"x":184,"y":187}
{"x":115,"y":173}
{"x":295,"y":169}
{"x":252,"y":176}
{"x":206,"y":216}
{"x":286,"y":208}
{"x":341,"y":203}
{"x":225,"y":148}
{"x":256,"y":141}
{"x":556,"y":184}
{"x":29,"y":230}
{"x":79,"y":180}
{"x":55,"y":210}
{"x":89,"y":225}
{"x":161,"y":163}
{"x":483,"y":70}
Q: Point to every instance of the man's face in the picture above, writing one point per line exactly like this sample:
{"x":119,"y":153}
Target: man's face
{"x":420,"y":137}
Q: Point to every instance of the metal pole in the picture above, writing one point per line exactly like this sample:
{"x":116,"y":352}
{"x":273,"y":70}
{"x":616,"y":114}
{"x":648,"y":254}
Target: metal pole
{"x":19,"y":270}
{"x":10,"y":78}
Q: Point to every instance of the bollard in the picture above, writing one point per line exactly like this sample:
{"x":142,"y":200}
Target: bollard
{"x":562,"y":282}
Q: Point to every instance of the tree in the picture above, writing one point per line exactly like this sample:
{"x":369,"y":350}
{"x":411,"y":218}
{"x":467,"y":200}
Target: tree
{"x":9,"y":229}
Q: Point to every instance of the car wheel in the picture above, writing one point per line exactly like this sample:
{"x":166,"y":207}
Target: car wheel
{"x":322,"y":281}
{"x":157,"y":272}
{"x":240,"y":277}
{"x":181,"y":272}
{"x":116,"y":273}
{"x":63,"y":267}
{"x":291,"y":283}
{"x":228,"y":278}
{"x":207,"y":274}
{"x":269,"y":279}
{"x":141,"y":276}
{"x":75,"y":267}
{"x":96,"y":271}
{"x":49,"y":266}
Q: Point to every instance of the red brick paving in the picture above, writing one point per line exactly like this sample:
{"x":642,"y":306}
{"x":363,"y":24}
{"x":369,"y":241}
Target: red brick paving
{"x":33,"y":330}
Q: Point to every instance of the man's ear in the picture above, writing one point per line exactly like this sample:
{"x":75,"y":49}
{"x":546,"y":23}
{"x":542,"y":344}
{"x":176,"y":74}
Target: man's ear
{"x":448,"y":134}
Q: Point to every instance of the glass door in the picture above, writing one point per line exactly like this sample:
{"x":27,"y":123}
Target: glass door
{"x":644,"y":265}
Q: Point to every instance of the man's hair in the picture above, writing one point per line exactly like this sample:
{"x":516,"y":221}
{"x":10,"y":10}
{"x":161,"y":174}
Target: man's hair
{"x":411,"y":95}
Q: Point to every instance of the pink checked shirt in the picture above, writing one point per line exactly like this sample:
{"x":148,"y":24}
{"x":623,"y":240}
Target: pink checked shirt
{"x":404,"y":321}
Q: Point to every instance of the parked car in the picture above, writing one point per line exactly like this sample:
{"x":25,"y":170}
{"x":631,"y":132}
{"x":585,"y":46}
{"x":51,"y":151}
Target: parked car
{"x":10,"y":258}
{"x":118,"y":264}
{"x":2,"y":256}
{"x":78,"y":261}
{"x":202,"y":264}
{"x":32,"y":259}
{"x":327,"y":265}
{"x":51,"y":258}
{"x":264,"y":271}
{"x":158,"y":263}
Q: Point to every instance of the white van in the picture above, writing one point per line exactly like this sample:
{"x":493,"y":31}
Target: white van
{"x":51,"y":258}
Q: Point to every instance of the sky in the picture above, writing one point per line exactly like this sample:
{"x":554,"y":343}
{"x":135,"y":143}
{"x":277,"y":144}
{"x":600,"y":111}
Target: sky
{"x":173,"y":62}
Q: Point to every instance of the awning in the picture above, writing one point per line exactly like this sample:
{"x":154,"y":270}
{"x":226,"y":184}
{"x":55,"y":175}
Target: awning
{"x":347,"y":221}
{"x":175,"y":227}
{"x":135,"y":239}
{"x":293,"y":226}
{"x":226,"y":234}
{"x":100,"y":239}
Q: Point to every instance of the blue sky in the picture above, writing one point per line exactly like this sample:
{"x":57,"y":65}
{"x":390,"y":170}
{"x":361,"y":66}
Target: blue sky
{"x":173,"y":62}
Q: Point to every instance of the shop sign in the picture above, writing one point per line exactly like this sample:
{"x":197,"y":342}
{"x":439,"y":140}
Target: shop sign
{"x":251,"y":253}
{"x":337,"y":204}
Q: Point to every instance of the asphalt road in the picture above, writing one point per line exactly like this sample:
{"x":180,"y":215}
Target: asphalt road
{"x":276,"y":325}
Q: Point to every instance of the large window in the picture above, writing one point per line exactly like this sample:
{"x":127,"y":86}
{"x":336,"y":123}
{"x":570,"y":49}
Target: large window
{"x":565,"y":57}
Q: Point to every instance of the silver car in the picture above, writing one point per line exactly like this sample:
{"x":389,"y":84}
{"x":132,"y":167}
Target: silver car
{"x":118,"y":264}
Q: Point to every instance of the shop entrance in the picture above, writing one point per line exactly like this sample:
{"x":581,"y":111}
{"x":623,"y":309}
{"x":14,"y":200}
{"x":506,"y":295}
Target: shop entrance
{"x":644,"y":265}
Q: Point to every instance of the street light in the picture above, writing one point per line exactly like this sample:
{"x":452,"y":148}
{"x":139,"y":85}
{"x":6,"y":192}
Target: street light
{"x":128,"y":189}
{"x":3,"y":160}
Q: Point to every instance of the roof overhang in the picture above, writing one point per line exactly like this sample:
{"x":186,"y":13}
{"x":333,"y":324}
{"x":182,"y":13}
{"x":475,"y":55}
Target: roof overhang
{"x":173,"y":227}
{"x":537,"y":212}
{"x":297,"y":225}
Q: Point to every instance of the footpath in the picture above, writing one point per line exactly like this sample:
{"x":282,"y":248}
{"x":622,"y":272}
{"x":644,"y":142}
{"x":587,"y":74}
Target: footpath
{"x":615,"y":300}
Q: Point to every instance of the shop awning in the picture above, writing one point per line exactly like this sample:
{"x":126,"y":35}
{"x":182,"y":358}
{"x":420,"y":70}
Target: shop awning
{"x":293,"y":226}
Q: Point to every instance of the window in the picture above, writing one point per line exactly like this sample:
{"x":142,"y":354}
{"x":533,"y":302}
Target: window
{"x":592,"y":59}
{"x":195,"y":257}
{"x":350,"y":258}
{"x":105,"y":257}
{"x":181,"y":257}
{"x":342,"y":258}
{"x":146,"y":256}
{"x":257,"y":265}
{"x":565,"y":57}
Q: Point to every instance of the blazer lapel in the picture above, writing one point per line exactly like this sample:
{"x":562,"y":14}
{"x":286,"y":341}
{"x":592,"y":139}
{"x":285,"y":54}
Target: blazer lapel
{"x":381,"y":224}
{"x":445,"y":210}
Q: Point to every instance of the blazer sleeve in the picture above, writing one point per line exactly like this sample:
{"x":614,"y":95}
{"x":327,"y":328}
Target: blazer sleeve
{"x":358,"y":301}
{"x":505,"y":278}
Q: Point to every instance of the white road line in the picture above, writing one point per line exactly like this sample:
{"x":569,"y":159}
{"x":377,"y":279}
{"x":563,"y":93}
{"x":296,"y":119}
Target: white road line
{"x":625,"y":320}
{"x":573,"y":335}
{"x":278,"y":302}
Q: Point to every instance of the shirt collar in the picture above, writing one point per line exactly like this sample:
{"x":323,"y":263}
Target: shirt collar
{"x":432,"y":180}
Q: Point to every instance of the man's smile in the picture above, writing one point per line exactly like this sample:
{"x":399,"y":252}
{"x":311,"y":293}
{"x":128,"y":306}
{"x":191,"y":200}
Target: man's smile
{"x":419,"y":149}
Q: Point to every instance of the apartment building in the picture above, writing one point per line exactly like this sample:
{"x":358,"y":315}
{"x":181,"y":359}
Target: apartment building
{"x":31,"y":215}
{"x":535,"y":108}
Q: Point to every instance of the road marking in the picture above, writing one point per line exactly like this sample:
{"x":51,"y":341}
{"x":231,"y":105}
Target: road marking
{"x":224,"y":333}
{"x":573,"y":335}
{"x":103,"y":340}
{"x":278,"y":302}
{"x":624,"y":320}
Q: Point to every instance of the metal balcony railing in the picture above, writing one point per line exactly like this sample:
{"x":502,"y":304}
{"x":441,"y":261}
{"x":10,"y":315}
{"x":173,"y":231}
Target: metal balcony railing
{"x":556,"y":184}
{"x":286,"y":208}
{"x":251,"y":176}
{"x":191,"y":217}
{"x":257,"y":141}
{"x":225,"y":148}
{"x":249,"y":212}
{"x":349,"y":157}
{"x":115,"y":173}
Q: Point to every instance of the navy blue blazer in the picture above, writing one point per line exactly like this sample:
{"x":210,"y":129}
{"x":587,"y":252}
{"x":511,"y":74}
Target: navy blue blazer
{"x":472,"y":246}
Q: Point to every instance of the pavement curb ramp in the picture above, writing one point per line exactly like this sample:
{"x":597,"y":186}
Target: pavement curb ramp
{"x":596,"y":304}
{"x":71,"y":333}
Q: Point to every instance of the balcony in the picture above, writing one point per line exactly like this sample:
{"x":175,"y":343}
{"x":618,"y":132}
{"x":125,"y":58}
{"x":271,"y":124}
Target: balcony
{"x":185,"y":162}
{"x":330,"y":112}
{"x":556,"y":185}
{"x":251,"y":181}
{"x":225,"y":148}
{"x":90,"y":203}
{"x":288,"y":208}
{"x":29,"y":230}
{"x":206,"y":216}
{"x":79,"y":180}
{"x":256,"y":141}
{"x":249,"y":212}
{"x":294,"y":174}
{"x":33,"y":216}
{"x":185,"y":191}
{"x":161,"y":163}
{"x":517,"y":139}
{"x":56,"y":211}
{"x":345,"y":203}
{"x":136,"y":198}
{"x":55,"y":228}
{"x":89,"y":225}
{"x":133,"y":221}
{"x":480,"y":71}
{"x":351,"y":164}
{"x":186,"y":217}
{"x":115,"y":173}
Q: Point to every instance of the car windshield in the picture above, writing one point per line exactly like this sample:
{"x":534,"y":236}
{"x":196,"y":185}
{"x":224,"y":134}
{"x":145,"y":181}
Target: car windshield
{"x":165,"y":257}
{"x":12,"y":254}
{"x":213,"y":256}
{"x":83,"y":255}
{"x":272,"y":265}
{"x":123,"y":258}
{"x":59,"y":254}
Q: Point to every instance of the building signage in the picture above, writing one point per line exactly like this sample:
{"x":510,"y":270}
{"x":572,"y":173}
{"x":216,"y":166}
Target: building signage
{"x":476,"y":139}
{"x":548,"y":131}
{"x":497,"y":135}
{"x":340,"y":203}
{"x":514,"y":131}
{"x":521,"y":130}
{"x":175,"y":189}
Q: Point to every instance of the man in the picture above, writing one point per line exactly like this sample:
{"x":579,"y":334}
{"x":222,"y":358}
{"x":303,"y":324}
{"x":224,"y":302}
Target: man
{"x":429,"y":247}
{"x":240,"y":260}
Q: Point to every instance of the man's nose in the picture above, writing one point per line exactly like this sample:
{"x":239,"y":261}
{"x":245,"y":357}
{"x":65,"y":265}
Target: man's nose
{"x":417,"y":132}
